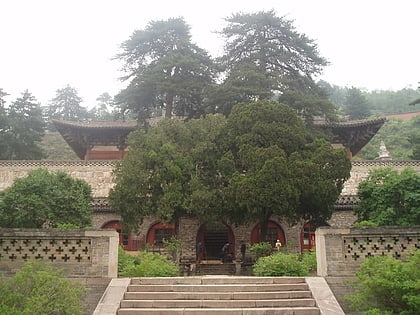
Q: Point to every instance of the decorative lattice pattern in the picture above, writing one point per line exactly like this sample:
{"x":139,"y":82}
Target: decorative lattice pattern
{"x":361,"y":247}
{"x":52,"y":164}
{"x":49,"y":249}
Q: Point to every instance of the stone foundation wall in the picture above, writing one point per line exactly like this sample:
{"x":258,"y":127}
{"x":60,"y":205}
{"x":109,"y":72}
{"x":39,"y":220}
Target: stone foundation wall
{"x":340,"y":252}
{"x":86,"y":256}
{"x":79,"y":253}
{"x":98,"y":174}
{"x":360,"y":170}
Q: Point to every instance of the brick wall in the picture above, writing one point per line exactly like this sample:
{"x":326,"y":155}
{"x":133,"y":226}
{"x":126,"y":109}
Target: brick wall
{"x":340,"y":251}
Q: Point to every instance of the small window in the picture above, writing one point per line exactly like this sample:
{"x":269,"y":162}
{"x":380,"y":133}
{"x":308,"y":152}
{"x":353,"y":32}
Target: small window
{"x":162,"y":234}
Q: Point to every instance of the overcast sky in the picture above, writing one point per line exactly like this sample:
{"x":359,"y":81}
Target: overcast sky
{"x":47,"y":44}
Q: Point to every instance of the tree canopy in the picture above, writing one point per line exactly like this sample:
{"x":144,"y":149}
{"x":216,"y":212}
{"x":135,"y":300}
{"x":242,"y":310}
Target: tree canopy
{"x":356,"y":104}
{"x":67,"y":105}
{"x":166,"y":71}
{"x":265,"y":56}
{"x":277,"y":168}
{"x":21,"y":128}
{"x":46,"y":199}
{"x":389,"y":197}
{"x":259,"y":162}
{"x":156,"y":175}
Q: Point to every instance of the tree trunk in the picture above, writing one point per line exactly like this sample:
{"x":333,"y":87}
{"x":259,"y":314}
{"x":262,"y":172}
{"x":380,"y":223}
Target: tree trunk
{"x":263,"y":229}
{"x":169,"y":105}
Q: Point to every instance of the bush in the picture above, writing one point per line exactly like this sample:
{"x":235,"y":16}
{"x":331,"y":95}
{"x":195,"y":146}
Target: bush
{"x":385,"y":284}
{"x":39,"y":288}
{"x":261,"y":249}
{"x":280,"y":265}
{"x":126,"y":261}
{"x":146,"y":264}
{"x":308,"y":258}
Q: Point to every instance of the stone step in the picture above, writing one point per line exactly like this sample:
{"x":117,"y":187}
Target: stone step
{"x":216,"y":295}
{"x":250,"y":287}
{"x":222,"y":311}
{"x":217,"y":303}
{"x":217,"y":280}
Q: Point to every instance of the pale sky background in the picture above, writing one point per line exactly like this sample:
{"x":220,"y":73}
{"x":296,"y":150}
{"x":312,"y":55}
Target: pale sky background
{"x":47,"y":44}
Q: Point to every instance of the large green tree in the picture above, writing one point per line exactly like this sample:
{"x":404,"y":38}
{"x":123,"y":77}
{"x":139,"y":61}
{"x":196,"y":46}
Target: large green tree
{"x":388,"y":197}
{"x":103,"y":109}
{"x":259,"y":162}
{"x":356,"y":105}
{"x":67,"y":105}
{"x":46,"y":199}
{"x":277,"y":169}
{"x":24,"y":129}
{"x":166,"y":71}
{"x":157,"y":175}
{"x":264,"y":55}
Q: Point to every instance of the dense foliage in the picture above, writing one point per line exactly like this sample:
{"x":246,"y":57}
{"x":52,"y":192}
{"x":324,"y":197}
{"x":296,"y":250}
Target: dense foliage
{"x":385,"y":285}
{"x":388,"y":197}
{"x":265,"y":56}
{"x":166,"y":71}
{"x":46,"y":199}
{"x":145,"y":264}
{"x":21,"y":128}
{"x":276,"y":168}
{"x":259,"y":162}
{"x":39,"y":288}
{"x":356,"y":104}
{"x":280,"y":264}
{"x":159,"y":174}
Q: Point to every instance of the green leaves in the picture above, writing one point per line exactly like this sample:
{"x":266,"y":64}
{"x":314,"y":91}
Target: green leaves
{"x":38,"y":288}
{"x":44,"y":199}
{"x":390,"y":198}
{"x":254,"y":164}
{"x":166,"y":70}
{"x":388,"y":285}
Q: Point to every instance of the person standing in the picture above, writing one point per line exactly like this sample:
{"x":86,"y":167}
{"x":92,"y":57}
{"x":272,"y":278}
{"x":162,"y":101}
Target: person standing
{"x":199,"y":252}
{"x":243,"y":251}
{"x":225,"y":252}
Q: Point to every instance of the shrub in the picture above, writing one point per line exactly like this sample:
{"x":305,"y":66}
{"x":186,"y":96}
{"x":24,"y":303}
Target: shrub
{"x":308,"y":258}
{"x":280,"y":265}
{"x":126,"y":261}
{"x":385,"y":284}
{"x":39,"y":288}
{"x":147,"y":264}
{"x":173,"y":246}
{"x":261,"y":249}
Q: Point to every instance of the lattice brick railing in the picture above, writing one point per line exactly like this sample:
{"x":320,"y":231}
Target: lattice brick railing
{"x":64,"y":250}
{"x":361,"y":247}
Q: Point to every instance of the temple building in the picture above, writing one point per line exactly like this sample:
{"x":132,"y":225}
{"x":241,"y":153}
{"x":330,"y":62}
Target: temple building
{"x":107,"y":141}
{"x":99,"y":145}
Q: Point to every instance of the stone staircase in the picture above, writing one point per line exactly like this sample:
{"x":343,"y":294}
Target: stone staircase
{"x":215,"y":268}
{"x":217,"y":295}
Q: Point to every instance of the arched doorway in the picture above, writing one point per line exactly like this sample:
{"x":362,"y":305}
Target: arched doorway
{"x":274,"y":233}
{"x":159,"y":232}
{"x":212,"y":239}
{"x":125,"y":239}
